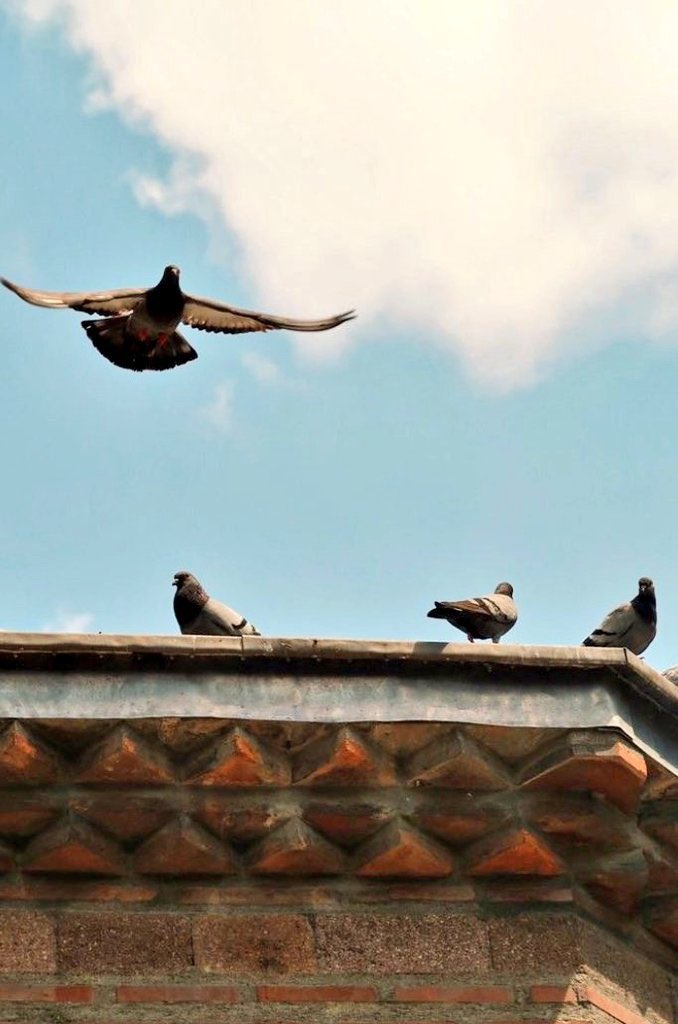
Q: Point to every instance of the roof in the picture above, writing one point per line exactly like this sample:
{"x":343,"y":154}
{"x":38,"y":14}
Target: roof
{"x":473,"y":771}
{"x":46,"y":675}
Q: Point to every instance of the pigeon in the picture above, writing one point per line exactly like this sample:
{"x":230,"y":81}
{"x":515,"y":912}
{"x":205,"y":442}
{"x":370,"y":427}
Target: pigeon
{"x":481,"y":618}
{"x":671,"y":674}
{"x":140,"y":330}
{"x":632,"y":625}
{"x":198,"y":614}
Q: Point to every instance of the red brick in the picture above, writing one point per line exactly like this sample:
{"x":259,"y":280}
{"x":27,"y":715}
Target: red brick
{"x":516,"y":852}
{"x":73,"y":847}
{"x":400,"y":851}
{"x":246,"y":944}
{"x":457,"y":762}
{"x":316,"y":994}
{"x":126,"y":758}
{"x":402,"y":943}
{"x":123,"y":942}
{"x":45,"y":994}
{"x":441,"y":994}
{"x":182,"y":847}
{"x":27,"y":943}
{"x":343,"y":759}
{"x":26,"y":760}
{"x":238,"y":759}
{"x":256,"y":895}
{"x":67,"y":889}
{"x":612,"y":1007}
{"x":346,"y":825}
{"x":176,"y":994}
{"x":295,"y":849}
{"x":552,"y":994}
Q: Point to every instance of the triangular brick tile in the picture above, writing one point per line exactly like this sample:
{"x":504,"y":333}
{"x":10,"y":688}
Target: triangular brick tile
{"x":662,"y":868}
{"x":6,"y":858}
{"x":27,"y":813}
{"x":238,"y":759}
{"x":346,"y":825}
{"x":579,"y":819}
{"x":184,"y":848}
{"x":616,"y":880}
{"x":295,"y":849}
{"x":661,"y":918}
{"x":343,"y":759}
{"x":124,"y":813}
{"x":73,"y":847}
{"x":400,"y":851}
{"x":661,"y":822}
{"x":458,"y":818}
{"x":594,"y":762}
{"x":125,"y":758}
{"x":516,"y":852}
{"x":25,"y":760}
{"x":241,"y":824}
{"x":457,"y":762}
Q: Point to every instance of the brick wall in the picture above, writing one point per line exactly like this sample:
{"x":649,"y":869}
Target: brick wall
{"x":409,"y":963}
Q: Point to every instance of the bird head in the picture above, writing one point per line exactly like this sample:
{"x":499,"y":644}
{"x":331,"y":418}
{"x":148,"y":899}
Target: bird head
{"x":170,"y":275}
{"x":504,"y":588}
{"x":645,"y":585}
{"x":183,"y":577}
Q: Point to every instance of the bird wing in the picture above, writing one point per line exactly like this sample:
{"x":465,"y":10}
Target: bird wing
{"x":231,"y":621}
{"x":483,"y":607}
{"x":111,"y":303}
{"x":614,"y":627}
{"x":208,"y":315}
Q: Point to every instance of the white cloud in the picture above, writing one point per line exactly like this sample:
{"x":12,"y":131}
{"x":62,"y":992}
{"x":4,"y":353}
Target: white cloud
{"x":69,"y":622}
{"x":484,"y":174}
{"x":218,"y":412}
{"x":263,"y":369}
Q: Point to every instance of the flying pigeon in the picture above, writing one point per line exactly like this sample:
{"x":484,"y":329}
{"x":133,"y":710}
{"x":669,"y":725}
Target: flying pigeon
{"x":140,"y":332}
{"x":632,"y":625}
{"x":198,"y":614}
{"x":481,"y":618}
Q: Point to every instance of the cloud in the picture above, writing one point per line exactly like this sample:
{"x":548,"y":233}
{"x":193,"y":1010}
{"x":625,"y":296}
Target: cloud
{"x":70,"y":622}
{"x":218,"y":412}
{"x":483,"y":176}
{"x":263,"y":369}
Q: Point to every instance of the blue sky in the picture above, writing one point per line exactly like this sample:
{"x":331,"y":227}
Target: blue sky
{"x":454,"y":437}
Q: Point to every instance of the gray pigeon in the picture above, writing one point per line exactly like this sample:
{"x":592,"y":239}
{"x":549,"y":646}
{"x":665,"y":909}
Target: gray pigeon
{"x":632,"y":625}
{"x":481,"y":618}
{"x":198,"y":614}
{"x":140,"y":332}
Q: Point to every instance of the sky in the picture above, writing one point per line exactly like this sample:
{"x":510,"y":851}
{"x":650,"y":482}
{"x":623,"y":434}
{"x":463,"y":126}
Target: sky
{"x":493,"y":187}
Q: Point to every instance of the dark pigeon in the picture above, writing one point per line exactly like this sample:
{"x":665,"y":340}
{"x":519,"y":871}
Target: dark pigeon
{"x":140,"y":330}
{"x":481,"y":618}
{"x":199,"y":614}
{"x":632,"y":625}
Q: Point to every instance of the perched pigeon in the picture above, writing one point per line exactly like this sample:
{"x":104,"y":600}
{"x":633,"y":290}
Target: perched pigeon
{"x":481,"y":618}
{"x":141,"y":334}
{"x":200,"y":615}
{"x":631,"y":625}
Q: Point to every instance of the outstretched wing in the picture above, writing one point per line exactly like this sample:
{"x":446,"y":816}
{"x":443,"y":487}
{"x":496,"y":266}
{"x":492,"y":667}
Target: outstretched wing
{"x":208,"y":315}
{"x":113,"y":303}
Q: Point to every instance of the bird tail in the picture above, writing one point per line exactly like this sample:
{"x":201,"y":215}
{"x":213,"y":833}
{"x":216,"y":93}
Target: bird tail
{"x":438,"y":612}
{"x":110,"y":337}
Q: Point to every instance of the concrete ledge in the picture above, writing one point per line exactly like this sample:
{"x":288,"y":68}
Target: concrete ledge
{"x":337,"y":681}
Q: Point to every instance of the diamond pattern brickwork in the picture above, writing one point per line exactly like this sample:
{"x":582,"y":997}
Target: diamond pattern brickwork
{"x":183,"y":804}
